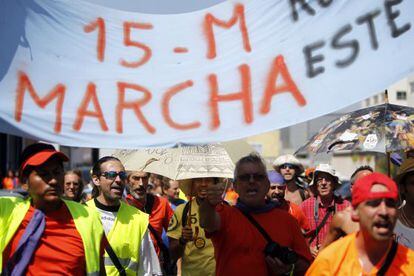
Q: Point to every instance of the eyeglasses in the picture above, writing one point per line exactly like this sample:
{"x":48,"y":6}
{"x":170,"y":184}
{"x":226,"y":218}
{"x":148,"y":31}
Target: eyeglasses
{"x":287,"y":166}
{"x":389,"y":202}
{"x":111,"y":175}
{"x":248,"y":176}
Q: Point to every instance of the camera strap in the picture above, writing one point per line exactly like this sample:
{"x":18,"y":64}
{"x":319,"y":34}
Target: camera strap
{"x":257,"y":225}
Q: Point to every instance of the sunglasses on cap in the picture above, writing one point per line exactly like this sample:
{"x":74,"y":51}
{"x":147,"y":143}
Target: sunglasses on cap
{"x":255,"y":176}
{"x":287,"y":166}
{"x":111,"y":175}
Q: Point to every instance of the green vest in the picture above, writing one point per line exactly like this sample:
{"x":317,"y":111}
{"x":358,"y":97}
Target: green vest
{"x":87,"y":222}
{"x":125,"y":238}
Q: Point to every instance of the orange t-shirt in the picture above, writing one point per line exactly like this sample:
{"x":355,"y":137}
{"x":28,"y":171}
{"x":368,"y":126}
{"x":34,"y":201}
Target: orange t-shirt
{"x":239,"y":246}
{"x":341,"y":258}
{"x":60,"y":250}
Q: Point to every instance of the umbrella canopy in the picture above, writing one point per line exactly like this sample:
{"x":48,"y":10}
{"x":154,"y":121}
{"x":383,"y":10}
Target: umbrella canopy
{"x":381,"y":128}
{"x":182,"y":162}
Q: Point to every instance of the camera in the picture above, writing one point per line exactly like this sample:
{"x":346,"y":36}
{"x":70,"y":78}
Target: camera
{"x":284,"y":254}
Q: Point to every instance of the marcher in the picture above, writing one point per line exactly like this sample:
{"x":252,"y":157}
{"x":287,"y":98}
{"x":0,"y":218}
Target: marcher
{"x":239,"y":245}
{"x":171,"y":191}
{"x":73,"y":186}
{"x":372,"y":250}
{"x":342,"y":224}
{"x":276,"y":194}
{"x":404,"y":229}
{"x":158,"y":209}
{"x":10,"y":182}
{"x":189,"y":242}
{"x":135,"y":253}
{"x":45,"y":235}
{"x":290,"y":168}
{"x":320,"y":208}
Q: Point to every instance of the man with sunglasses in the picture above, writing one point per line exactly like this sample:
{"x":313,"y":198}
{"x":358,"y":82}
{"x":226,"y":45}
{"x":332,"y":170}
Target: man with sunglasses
{"x":45,"y":234}
{"x":372,"y":250}
{"x":126,"y":227}
{"x":320,"y":208}
{"x":290,"y":168}
{"x":276,"y":194}
{"x":239,"y":245}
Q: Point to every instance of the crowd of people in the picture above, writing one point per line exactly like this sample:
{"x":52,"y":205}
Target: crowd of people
{"x":279,"y":222}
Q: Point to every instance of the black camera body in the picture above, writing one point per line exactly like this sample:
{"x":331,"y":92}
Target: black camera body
{"x":284,"y":254}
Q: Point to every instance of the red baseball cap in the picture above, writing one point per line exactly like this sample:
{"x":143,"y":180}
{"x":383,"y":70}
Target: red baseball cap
{"x":361,"y":191}
{"x":39,"y":153}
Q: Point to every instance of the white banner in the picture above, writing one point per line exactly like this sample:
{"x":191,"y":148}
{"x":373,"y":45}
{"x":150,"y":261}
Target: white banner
{"x":80,"y":74}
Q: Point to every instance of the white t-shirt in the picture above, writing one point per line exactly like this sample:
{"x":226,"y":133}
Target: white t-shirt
{"x":149,"y":264}
{"x":404,"y":234}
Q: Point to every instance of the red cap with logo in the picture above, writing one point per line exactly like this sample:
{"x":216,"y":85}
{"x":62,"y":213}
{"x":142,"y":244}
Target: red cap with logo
{"x":361,"y":191}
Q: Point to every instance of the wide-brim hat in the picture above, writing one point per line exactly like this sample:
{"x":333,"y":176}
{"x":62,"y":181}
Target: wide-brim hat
{"x":288,"y":159}
{"x":406,"y":167}
{"x":326,"y":168}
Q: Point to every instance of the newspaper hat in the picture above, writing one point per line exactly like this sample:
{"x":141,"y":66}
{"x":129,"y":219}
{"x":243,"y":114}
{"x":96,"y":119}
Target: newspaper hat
{"x":326,"y":168}
{"x":288,"y":159}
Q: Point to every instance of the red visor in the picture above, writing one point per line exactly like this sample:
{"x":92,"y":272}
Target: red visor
{"x":41,"y":157}
{"x":361,"y":191}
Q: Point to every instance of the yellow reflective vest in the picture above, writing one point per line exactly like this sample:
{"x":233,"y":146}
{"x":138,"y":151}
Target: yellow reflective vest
{"x":125,"y":238}
{"x":87,"y":222}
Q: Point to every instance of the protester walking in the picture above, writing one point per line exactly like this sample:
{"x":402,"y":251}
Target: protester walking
{"x":187,"y":239}
{"x":290,"y":168}
{"x":320,"y":208}
{"x":276,"y":194}
{"x":157,"y":208}
{"x":253,"y":237}
{"x":372,"y":250}
{"x":73,"y":186}
{"x":130,"y":250}
{"x":45,"y":235}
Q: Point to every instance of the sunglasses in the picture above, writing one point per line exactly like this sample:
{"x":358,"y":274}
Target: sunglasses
{"x":287,"y":166}
{"x":248,"y":176}
{"x":389,"y":202}
{"x":111,"y":175}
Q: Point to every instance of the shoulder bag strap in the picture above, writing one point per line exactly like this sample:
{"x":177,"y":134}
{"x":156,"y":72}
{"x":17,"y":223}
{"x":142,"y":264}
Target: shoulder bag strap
{"x":113,"y":257}
{"x":257,"y":225}
{"x":388,"y":259}
{"x":318,"y":228}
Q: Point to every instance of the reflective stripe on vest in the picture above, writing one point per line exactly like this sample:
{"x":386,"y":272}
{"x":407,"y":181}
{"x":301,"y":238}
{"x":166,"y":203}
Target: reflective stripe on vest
{"x":132,"y":223}
{"x":87,"y":222}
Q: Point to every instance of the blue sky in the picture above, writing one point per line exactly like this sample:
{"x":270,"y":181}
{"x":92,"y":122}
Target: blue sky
{"x":158,"y":6}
